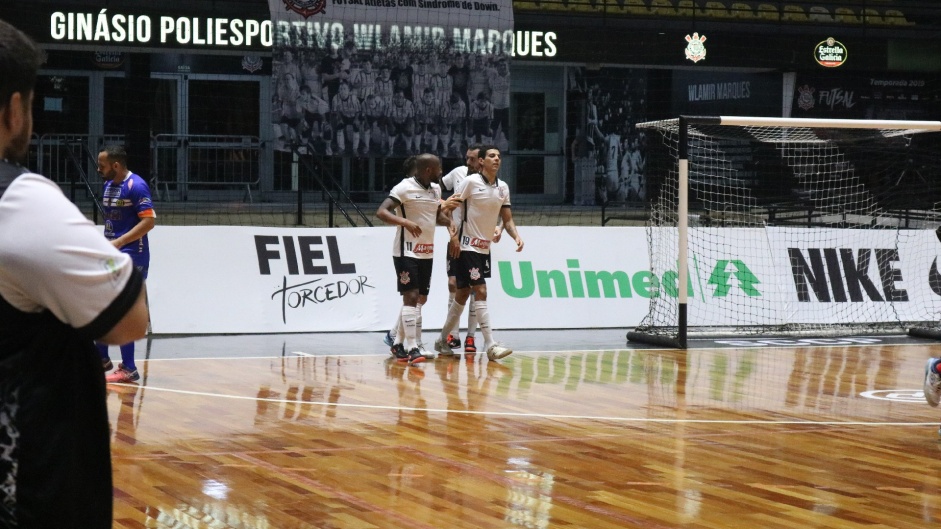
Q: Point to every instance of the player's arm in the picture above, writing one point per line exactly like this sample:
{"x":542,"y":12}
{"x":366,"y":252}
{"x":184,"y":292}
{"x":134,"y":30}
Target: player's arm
{"x":454,"y":243}
{"x":133,"y":325}
{"x":443,"y":217}
{"x":386,"y":214}
{"x":449,"y":205}
{"x":498,"y":231}
{"x":136,"y":233}
{"x":507,"y":216}
{"x":68,"y":267}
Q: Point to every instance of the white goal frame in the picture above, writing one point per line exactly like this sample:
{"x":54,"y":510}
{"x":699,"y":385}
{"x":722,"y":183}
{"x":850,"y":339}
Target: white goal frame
{"x":682,"y":250}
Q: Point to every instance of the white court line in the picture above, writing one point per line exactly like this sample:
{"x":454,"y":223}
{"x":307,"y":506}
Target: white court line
{"x":562,"y":351}
{"x":534,"y":415}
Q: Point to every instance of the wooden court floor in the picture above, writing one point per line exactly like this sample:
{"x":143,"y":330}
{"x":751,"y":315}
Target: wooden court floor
{"x":314,"y":434}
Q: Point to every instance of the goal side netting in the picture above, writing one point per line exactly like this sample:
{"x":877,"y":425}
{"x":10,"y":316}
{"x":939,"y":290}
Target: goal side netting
{"x":791,"y":226}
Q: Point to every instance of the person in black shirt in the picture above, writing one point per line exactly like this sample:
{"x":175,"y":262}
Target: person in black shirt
{"x":61,"y":288}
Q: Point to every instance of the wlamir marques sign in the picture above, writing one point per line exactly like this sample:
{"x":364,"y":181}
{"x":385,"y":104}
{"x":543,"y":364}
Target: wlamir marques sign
{"x":478,"y":27}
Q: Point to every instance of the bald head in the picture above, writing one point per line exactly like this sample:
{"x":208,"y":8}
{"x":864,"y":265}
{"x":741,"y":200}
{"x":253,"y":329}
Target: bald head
{"x":429,"y":167}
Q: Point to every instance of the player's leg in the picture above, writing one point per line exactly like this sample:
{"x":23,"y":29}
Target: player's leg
{"x":462,"y":283}
{"x":470,"y":345}
{"x":106,"y":362}
{"x":127,"y":369}
{"x":454,"y":336}
{"x":392,"y":334}
{"x":424,"y":281}
{"x":411,"y":292}
{"x":495,"y":351}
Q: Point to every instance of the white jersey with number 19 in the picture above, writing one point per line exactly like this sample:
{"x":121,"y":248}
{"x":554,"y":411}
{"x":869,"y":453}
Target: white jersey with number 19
{"x":482,"y":204}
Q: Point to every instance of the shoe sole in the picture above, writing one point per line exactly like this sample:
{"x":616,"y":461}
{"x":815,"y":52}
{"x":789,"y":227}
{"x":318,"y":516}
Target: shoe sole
{"x":418,"y":360}
{"x":124,"y":381}
{"x":504,"y":354}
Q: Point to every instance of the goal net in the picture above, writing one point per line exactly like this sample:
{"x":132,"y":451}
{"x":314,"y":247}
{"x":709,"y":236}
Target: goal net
{"x":790,"y":226}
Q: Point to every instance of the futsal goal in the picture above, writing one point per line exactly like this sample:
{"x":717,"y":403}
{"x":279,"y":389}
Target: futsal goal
{"x":781,"y":226}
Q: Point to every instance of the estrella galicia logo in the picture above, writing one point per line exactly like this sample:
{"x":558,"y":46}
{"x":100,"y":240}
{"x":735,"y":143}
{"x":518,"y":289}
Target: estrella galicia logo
{"x":306,"y":8}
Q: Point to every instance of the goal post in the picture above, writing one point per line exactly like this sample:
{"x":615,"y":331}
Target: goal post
{"x":790,"y":226}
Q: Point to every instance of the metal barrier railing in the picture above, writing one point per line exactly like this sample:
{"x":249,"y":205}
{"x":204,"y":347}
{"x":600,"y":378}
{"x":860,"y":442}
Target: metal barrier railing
{"x":182,"y":161}
{"x":71,"y":161}
{"x":57,"y":154}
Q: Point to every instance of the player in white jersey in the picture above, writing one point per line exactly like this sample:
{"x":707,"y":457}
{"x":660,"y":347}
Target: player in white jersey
{"x":442,"y":84}
{"x":417,"y":202}
{"x":453,"y":181}
{"x":374,"y":123}
{"x":481,"y":115}
{"x":456,"y":123}
{"x":385,"y":86}
{"x":428,"y":122}
{"x":632,"y":171}
{"x":612,"y":154}
{"x":346,"y":117}
{"x":364,"y":82}
{"x":498,"y":80}
{"x":486,"y":199}
{"x":421,"y":80}
{"x":401,"y":115}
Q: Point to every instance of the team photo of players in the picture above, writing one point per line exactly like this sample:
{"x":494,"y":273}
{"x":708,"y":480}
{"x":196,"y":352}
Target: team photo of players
{"x":394,"y":102}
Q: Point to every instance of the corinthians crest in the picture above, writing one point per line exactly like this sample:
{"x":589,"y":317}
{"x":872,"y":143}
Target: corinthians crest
{"x":251,"y":63}
{"x":306,"y":8}
{"x":695,"y":51}
{"x":805,"y":99}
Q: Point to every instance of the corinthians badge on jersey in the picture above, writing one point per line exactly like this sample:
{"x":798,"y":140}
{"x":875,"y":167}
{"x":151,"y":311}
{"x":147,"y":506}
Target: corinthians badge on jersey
{"x":306,"y":8}
{"x":695,"y":51}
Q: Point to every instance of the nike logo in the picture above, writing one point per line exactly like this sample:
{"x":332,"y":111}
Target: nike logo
{"x":934,"y":278}
{"x":482,"y":189}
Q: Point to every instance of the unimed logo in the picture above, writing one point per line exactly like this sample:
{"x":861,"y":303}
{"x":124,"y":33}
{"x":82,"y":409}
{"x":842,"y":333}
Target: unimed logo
{"x":525,"y":281}
{"x":725,"y":270}
{"x":843,"y":274}
{"x":305,"y":256}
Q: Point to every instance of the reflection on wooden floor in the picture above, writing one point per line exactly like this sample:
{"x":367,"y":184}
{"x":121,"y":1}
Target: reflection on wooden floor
{"x":777,"y":438}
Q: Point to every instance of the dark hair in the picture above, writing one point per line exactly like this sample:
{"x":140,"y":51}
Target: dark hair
{"x":482,"y":151}
{"x":116,"y":153}
{"x":20,"y":59}
{"x":410,"y":165}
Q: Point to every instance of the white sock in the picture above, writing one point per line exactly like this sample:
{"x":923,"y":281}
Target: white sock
{"x":472,"y":319}
{"x":454,"y":330}
{"x":418,"y":324}
{"x":454,"y":314}
{"x":483,"y":319}
{"x":409,"y":318}
{"x":394,"y":331}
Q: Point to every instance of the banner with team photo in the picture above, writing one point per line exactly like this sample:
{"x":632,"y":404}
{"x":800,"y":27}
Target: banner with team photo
{"x":608,"y":153}
{"x":390,"y":77}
